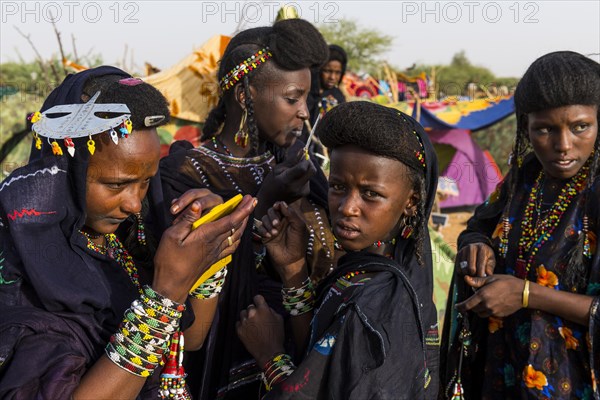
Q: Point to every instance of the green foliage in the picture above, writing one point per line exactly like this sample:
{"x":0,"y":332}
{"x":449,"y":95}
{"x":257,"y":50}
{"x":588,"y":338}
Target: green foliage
{"x":13,"y":113}
{"x":498,"y":139}
{"x":454,"y":79}
{"x":25,"y":77}
{"x":30,"y":77}
{"x":363,"y":46}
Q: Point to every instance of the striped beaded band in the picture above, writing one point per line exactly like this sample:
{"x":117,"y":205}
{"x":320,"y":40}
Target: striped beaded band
{"x":244,"y":68}
{"x":277,"y":369}
{"x":298,"y":301}
{"x":420,"y":154}
{"x":143,"y":336}
{"x":211,"y":287}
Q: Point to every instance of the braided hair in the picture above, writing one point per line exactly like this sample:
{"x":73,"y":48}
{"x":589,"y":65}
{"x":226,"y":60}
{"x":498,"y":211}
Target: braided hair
{"x":556,"y":80}
{"x":387,"y":133}
{"x":295,"y":45}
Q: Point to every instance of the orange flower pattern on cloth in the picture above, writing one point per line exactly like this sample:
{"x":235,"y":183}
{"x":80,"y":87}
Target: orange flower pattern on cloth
{"x":494,"y":324}
{"x":546,"y":278}
{"x":498,"y":231}
{"x":570,"y":340}
{"x":535,"y":354}
{"x":593,"y":242}
{"x":533,"y":378}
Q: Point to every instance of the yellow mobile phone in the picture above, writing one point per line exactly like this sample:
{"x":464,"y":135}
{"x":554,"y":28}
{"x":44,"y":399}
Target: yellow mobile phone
{"x":217,"y":212}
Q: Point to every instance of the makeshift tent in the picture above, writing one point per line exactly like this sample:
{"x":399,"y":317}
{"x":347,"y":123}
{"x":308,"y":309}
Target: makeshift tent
{"x":466,"y":114}
{"x":449,"y":124}
{"x":461,"y":160}
{"x":191,"y":89}
{"x":191,"y":85}
{"x":475,"y":171}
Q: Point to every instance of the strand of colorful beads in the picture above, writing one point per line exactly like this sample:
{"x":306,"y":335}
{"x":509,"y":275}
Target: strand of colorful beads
{"x":534,"y":236}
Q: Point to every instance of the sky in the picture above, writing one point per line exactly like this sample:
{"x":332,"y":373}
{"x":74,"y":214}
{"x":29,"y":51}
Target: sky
{"x":504,"y":36}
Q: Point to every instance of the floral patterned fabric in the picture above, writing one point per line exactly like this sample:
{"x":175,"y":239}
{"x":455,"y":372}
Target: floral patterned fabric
{"x":532,"y":354}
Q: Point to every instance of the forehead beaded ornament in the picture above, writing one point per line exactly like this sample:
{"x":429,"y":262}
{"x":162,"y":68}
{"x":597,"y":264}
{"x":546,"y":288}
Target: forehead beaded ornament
{"x":244,"y":68}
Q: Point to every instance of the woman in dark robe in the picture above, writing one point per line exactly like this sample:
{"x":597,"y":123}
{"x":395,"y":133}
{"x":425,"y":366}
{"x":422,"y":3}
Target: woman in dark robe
{"x":81,"y":315}
{"x":330,"y":78}
{"x":369,"y":333}
{"x":250,"y":146}
{"x":325,"y":92}
{"x":531,"y":329}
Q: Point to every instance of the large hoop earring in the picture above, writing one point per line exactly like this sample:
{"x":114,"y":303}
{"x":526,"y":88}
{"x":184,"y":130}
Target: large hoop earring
{"x":241,"y":136}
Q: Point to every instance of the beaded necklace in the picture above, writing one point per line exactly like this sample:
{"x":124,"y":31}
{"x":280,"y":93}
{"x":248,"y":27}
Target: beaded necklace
{"x":535,"y":235}
{"x":226,"y":160}
{"x":377,"y":244}
{"x":115,"y":250}
{"x":220,"y":142}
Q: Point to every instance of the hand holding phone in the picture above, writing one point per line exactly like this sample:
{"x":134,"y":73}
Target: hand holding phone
{"x":217,"y":212}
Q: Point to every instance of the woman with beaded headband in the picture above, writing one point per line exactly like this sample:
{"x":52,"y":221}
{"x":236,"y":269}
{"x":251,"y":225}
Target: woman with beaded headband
{"x":250,"y":146}
{"x":532,"y":320}
{"x":372,"y":332}
{"x":82,"y":315}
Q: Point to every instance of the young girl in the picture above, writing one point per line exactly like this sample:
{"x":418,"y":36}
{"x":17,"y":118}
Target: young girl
{"x":81,"y":317}
{"x":368,"y":337}
{"x":530,"y":250}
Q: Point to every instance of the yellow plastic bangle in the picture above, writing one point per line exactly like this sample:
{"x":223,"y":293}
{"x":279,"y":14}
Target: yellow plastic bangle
{"x":526,"y":294}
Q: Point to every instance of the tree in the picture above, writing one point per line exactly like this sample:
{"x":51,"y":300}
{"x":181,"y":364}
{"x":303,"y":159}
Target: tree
{"x":363,"y":46}
{"x":454,"y":79}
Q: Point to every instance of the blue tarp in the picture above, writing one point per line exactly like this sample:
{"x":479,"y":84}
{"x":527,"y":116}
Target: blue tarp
{"x":473,"y":121}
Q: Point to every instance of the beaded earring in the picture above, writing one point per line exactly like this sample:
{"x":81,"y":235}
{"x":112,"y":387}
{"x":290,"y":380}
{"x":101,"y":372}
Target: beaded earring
{"x":141,"y":232}
{"x":241,"y":136}
{"x":586,"y":238}
{"x":408,"y":227}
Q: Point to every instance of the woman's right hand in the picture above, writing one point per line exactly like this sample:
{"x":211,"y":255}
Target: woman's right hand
{"x":184,"y":254}
{"x":284,"y":234}
{"x":476,"y":260}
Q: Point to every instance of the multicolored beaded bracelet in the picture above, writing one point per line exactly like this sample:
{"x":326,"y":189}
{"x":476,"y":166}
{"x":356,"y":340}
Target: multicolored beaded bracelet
{"x":144,"y":334}
{"x":211,"y":287}
{"x":277,"y":369}
{"x":298,"y":301}
{"x":148,"y":291}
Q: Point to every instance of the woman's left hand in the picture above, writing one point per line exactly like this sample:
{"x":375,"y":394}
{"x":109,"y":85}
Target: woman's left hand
{"x":261,"y":330}
{"x":495,"y":296}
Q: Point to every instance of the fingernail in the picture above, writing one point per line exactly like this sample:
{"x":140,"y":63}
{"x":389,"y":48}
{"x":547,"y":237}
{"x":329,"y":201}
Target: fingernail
{"x":175,"y":209}
{"x":254,"y":202}
{"x":174,"y":200}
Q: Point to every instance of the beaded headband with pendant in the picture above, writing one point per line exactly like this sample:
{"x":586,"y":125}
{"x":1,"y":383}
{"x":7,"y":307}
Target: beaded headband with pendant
{"x":244,"y":68}
{"x":70,"y":121}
